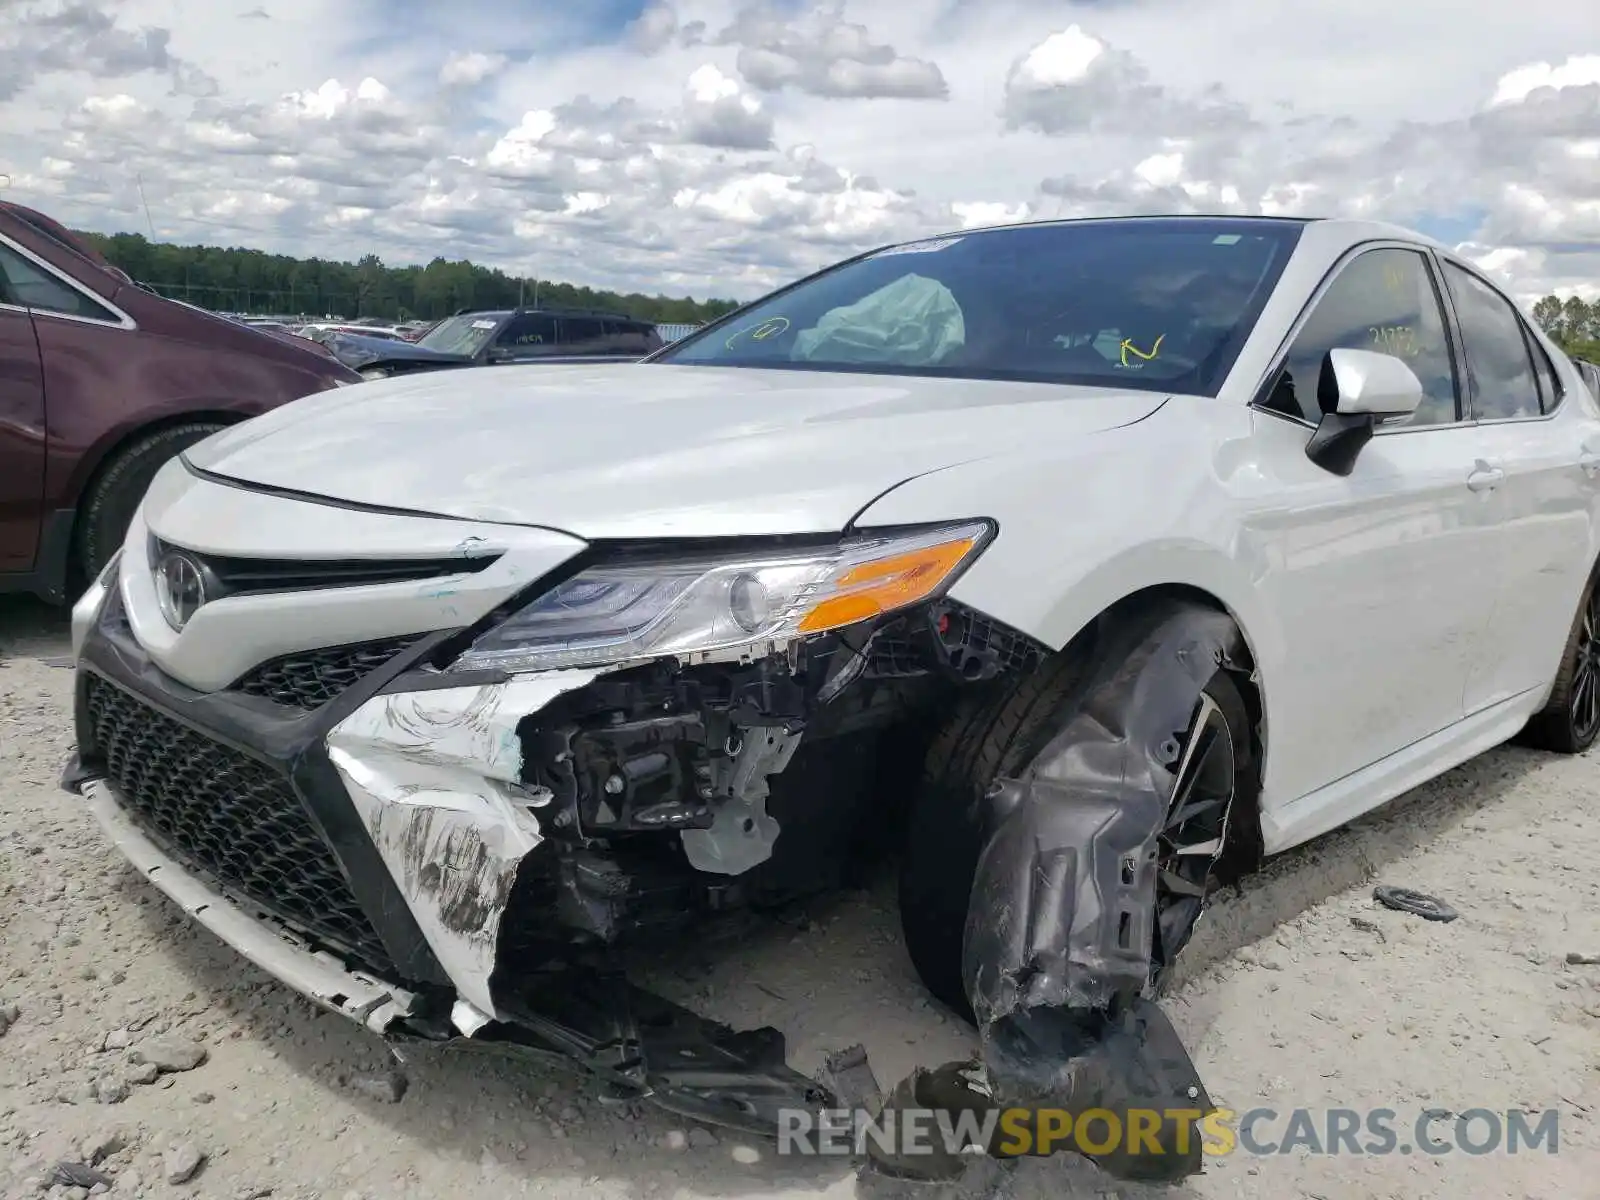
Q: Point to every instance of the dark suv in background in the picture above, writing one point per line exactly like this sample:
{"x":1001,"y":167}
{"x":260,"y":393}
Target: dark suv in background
{"x":486,"y":339}
{"x":102,"y":382}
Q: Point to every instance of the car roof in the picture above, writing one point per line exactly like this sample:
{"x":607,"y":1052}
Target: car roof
{"x":1354,"y":229}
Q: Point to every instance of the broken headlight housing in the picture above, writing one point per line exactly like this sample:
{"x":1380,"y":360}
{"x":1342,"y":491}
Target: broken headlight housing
{"x":735,"y":603}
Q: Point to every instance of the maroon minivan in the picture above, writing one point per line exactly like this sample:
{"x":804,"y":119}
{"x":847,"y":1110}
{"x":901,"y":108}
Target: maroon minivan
{"x":102,"y":382}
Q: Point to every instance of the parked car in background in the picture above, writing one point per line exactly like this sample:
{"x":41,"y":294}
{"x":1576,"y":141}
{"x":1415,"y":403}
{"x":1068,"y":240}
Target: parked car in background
{"x":671,"y":332}
{"x":518,"y":335}
{"x":321,"y":331}
{"x":102,"y":382}
{"x":264,"y":325}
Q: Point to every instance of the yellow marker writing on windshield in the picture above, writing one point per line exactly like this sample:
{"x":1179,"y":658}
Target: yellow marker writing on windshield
{"x":770,"y":328}
{"x":1127,"y":347}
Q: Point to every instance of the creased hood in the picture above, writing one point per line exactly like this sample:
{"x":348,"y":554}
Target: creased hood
{"x":642,"y":450}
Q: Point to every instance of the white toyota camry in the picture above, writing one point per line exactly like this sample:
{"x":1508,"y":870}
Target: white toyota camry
{"x":1075,"y":563}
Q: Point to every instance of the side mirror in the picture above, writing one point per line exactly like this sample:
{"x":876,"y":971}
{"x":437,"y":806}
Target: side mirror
{"x":1355,"y":390}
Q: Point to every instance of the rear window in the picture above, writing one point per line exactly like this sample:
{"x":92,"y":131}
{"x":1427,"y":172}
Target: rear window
{"x":1154,"y":303}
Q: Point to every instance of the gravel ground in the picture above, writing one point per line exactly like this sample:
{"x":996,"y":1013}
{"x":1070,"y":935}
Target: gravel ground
{"x":146,"y":1046}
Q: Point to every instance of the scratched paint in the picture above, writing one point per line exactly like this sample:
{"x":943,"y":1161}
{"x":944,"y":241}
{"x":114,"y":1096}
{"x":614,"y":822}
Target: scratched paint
{"x":430,"y":774}
{"x":471,"y":727}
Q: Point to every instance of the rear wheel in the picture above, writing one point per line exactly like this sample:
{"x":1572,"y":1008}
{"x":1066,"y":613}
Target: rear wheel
{"x":1570,"y":721}
{"x":994,"y":738}
{"x":111,"y":500}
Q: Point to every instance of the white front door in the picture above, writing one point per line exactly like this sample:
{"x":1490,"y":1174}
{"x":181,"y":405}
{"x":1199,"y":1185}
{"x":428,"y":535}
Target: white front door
{"x":1380,"y":578}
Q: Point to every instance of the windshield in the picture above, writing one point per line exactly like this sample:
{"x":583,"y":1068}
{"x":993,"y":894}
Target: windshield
{"x":1156,"y":303}
{"x":461,"y":335}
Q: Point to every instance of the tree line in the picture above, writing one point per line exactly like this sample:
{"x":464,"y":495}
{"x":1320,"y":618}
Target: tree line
{"x":238,"y":280}
{"x":1572,"y":324}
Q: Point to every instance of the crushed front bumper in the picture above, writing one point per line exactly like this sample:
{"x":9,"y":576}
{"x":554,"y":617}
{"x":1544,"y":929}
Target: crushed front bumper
{"x":362,"y":850}
{"x":265,"y":941}
{"x":367,"y":830}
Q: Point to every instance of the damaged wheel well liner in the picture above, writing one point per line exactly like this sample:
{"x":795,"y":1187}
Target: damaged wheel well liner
{"x":993,"y":733}
{"x":1079,"y":814}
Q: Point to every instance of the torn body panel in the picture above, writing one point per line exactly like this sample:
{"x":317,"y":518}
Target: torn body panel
{"x":526,"y":830}
{"x":1067,"y":929}
{"x":435,"y":778}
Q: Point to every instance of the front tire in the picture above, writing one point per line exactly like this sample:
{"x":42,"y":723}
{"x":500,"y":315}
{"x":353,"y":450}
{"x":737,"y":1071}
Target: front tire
{"x":115,"y":494}
{"x":994,"y":737}
{"x":1570,"y":721}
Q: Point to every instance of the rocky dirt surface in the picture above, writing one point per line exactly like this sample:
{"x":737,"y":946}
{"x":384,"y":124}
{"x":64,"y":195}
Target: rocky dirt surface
{"x":154,"y":1061}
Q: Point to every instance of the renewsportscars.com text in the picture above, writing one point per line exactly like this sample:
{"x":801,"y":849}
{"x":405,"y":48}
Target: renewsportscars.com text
{"x":1255,"y":1131}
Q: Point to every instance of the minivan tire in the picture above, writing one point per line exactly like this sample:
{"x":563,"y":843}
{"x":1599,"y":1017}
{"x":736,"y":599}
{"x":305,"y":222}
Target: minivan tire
{"x":115,"y":494}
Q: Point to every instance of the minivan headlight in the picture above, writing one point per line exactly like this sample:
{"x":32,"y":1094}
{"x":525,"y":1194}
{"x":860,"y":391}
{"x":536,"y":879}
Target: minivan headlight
{"x":686,"y":606}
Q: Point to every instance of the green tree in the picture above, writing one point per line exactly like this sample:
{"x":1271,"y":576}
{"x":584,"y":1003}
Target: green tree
{"x":1572,"y":324}
{"x":236,"y":279}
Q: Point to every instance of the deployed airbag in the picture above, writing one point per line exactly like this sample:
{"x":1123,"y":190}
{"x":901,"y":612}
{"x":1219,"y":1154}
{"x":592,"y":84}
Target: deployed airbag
{"x":912,"y":322}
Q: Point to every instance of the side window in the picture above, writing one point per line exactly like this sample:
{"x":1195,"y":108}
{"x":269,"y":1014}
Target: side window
{"x":1496,"y":351}
{"x":638,"y":339}
{"x":582,"y":335}
{"x":528,"y":335}
{"x":1382,"y":300}
{"x":21,"y":282}
{"x":1545,"y":372}
{"x":1591,"y":377}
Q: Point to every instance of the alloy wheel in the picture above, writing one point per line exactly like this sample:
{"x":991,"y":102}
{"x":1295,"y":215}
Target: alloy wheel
{"x":1584,"y":695}
{"x":1192,"y":838}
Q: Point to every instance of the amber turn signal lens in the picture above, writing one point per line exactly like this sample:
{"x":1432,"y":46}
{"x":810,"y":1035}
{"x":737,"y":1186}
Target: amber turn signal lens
{"x":871,"y":589}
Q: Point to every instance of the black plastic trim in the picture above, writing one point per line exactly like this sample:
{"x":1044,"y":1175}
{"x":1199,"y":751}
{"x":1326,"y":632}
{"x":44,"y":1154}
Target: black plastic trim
{"x":52,"y":561}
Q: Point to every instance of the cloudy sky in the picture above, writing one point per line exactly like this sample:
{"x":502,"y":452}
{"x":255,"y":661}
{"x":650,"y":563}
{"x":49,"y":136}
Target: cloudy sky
{"x":721,"y":146}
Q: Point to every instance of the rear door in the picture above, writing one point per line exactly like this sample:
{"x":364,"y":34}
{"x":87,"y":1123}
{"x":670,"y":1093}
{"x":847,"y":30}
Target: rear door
{"x":1541,"y":451}
{"x":22,"y":419}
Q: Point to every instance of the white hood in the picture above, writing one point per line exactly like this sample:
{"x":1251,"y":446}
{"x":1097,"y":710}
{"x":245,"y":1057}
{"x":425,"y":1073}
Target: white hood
{"x":647,"y":450}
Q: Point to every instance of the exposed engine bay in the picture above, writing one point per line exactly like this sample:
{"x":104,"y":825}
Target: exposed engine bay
{"x":766,"y":772}
{"x":666,"y":793}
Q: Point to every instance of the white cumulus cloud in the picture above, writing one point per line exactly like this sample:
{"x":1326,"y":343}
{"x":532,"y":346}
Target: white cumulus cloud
{"x":725,"y":146}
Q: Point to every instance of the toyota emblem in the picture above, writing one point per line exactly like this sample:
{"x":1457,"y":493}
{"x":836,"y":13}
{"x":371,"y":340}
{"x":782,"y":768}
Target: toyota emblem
{"x":180,"y":588}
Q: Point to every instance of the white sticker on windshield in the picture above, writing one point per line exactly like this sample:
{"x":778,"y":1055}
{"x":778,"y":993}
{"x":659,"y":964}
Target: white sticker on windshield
{"x":918,"y":247}
{"x":1225,"y":239}
{"x":483,"y":324}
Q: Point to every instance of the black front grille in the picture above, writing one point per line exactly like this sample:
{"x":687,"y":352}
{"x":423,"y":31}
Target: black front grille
{"x":311,"y":678}
{"x":228,"y":815}
{"x":242,"y":576}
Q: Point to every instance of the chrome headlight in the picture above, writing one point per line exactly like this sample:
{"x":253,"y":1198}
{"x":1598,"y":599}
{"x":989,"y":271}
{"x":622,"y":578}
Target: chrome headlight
{"x":682,"y":607}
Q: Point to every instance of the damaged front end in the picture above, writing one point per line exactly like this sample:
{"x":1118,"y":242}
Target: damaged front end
{"x":649,"y":742}
{"x":539,"y":825}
